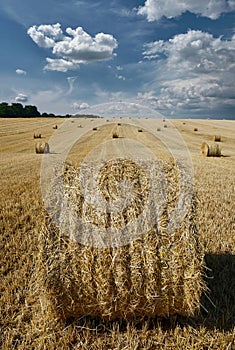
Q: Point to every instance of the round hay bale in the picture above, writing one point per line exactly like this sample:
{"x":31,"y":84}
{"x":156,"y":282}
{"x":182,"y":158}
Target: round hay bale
{"x":55,"y":127}
{"x":115,"y":135}
{"x":195,"y":129}
{"x":158,"y":274}
{"x":119,"y":124}
{"x":94,"y":129}
{"x":158,"y":129}
{"x":211,"y":150}
{"x":42,"y":147}
{"x":165,"y":126}
{"x":37,"y":136}
{"x":217,"y":138}
{"x":140,"y":130}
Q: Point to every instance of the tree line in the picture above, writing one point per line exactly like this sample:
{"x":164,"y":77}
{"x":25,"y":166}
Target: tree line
{"x":17,"y":110}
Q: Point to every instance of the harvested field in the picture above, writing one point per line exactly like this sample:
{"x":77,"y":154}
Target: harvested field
{"x":28,"y":320}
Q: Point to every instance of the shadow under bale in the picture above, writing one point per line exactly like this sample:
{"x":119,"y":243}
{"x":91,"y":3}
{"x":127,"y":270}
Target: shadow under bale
{"x":219,"y":308}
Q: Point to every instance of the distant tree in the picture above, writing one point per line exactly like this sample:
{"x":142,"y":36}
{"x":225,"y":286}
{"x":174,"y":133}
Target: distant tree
{"x":4,"y":109}
{"x":16,"y":110}
{"x":31,"y":111}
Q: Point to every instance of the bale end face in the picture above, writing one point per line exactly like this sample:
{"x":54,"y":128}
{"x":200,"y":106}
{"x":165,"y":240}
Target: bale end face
{"x":204,"y":149}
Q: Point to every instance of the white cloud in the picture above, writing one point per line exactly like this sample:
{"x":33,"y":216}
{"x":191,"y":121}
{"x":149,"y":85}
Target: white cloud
{"x":46,"y":35}
{"x":74,"y":48}
{"x":71,"y":81}
{"x":120,"y":77}
{"x":20,"y":71}
{"x":21,"y":98}
{"x":155,"y":9}
{"x":80,"y":105}
{"x":192,"y":71}
{"x":195,"y":52}
{"x":60,"y":65}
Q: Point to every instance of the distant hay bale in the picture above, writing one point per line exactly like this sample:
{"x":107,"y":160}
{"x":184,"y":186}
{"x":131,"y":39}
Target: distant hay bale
{"x":37,"y":136}
{"x":195,"y":129}
{"x":94,"y":129}
{"x":217,"y":138}
{"x":158,"y":129}
{"x":119,"y":124}
{"x":158,"y":274}
{"x":165,"y":126}
{"x":140,"y":130}
{"x":212,"y":150}
{"x":55,"y":126}
{"x":184,"y":123}
{"x":42,"y":147}
{"x":115,"y":135}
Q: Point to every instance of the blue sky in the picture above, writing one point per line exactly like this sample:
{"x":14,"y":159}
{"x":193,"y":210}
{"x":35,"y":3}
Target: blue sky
{"x":175,"y":57}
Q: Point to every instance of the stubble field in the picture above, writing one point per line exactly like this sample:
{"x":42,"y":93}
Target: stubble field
{"x":22,"y":323}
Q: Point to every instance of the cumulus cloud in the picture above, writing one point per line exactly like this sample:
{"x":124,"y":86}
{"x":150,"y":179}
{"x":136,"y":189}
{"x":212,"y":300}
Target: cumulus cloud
{"x":46,"y":35}
{"x":73,"y":48}
{"x":21,"y":98}
{"x":80,"y":105}
{"x":195,"y":51}
{"x":155,"y":9}
{"x":20,"y":71}
{"x":60,"y":65}
{"x":192,"y":71}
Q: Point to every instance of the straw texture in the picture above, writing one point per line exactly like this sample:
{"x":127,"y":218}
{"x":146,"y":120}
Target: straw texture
{"x":160,"y":273}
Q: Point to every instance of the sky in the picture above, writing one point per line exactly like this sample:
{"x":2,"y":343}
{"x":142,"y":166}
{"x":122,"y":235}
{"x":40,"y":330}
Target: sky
{"x":173,"y":57}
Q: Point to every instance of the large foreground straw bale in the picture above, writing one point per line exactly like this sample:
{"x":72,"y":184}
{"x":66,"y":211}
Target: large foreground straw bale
{"x":160,"y":273}
{"x":210,"y":150}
